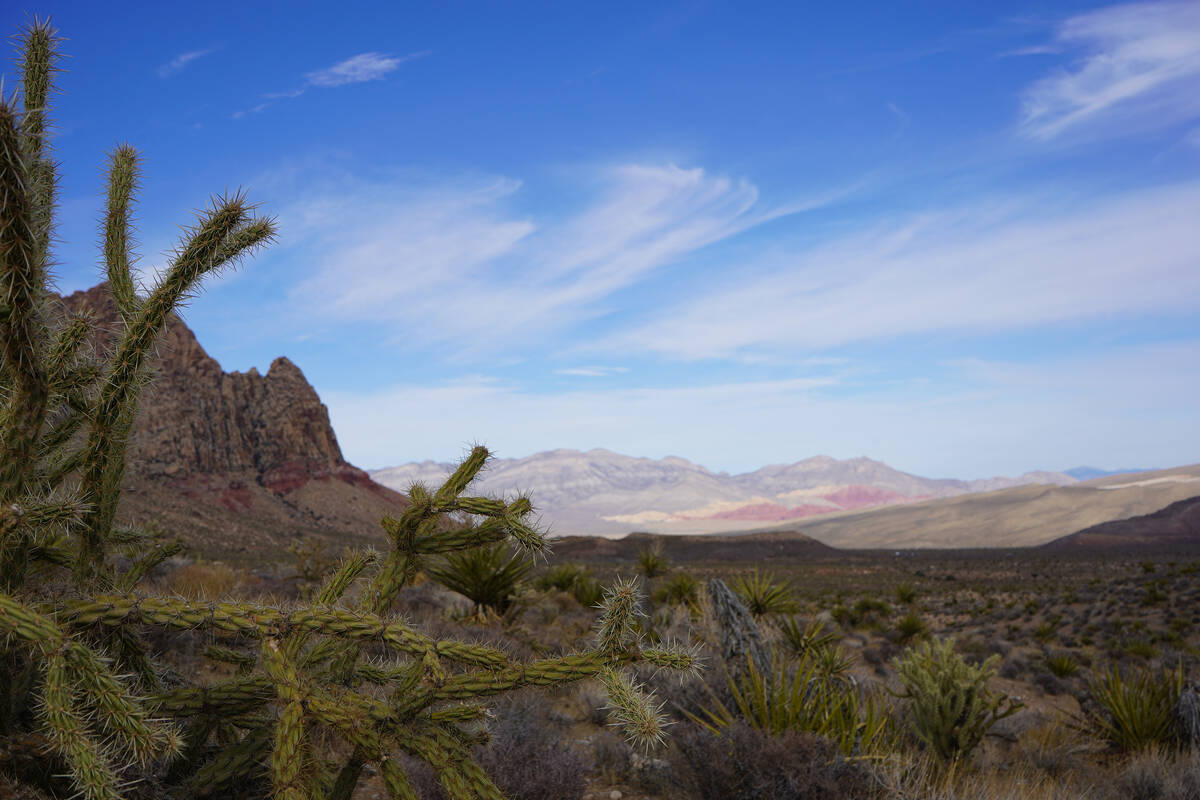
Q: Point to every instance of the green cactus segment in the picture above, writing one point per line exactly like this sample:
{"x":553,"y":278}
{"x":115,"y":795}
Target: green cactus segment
{"x":123,"y":177}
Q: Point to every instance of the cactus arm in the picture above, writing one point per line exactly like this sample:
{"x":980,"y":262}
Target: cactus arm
{"x":123,"y":179}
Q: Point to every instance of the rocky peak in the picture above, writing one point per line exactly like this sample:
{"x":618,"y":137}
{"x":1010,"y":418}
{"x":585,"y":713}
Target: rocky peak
{"x":198,"y":419}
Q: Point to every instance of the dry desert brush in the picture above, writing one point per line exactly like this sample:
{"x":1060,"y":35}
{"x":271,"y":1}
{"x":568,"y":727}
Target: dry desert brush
{"x":310,"y":693}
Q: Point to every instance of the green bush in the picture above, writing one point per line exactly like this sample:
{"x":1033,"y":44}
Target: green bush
{"x":949,"y":705}
{"x":651,"y":562}
{"x":488,"y":576}
{"x":804,"y":696}
{"x":1135,"y":710}
{"x":1062,"y":665}
{"x":905,"y":594}
{"x":86,"y":708}
{"x":763,"y":596}
{"x":561,"y":577}
{"x":808,"y":638}
{"x":681,"y":589}
{"x":910,"y":626}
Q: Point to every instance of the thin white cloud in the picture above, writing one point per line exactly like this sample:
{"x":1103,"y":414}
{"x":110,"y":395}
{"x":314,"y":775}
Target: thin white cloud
{"x":591,"y":372}
{"x":176,"y":64}
{"x":356,"y":69}
{"x":984,"y":419}
{"x":1140,"y":70}
{"x":1032,"y":50}
{"x":972,"y":270}
{"x":453,"y":265}
{"x":360,"y":68}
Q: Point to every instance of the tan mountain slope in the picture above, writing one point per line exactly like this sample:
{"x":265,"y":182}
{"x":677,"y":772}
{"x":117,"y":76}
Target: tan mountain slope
{"x":236,"y":463}
{"x":1023,"y":516}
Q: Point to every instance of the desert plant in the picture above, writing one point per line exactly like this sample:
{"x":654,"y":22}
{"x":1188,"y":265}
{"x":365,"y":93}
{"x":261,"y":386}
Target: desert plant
{"x":588,"y":592}
{"x":488,"y":576}
{"x":1135,"y":710}
{"x":805,"y":697}
{"x":807,"y":638}
{"x":910,"y":626}
{"x":949,"y":704}
{"x":561,"y":576}
{"x":84,"y":707}
{"x":651,"y":561}
{"x":762,"y":595}
{"x":681,"y":589}
{"x":1062,"y":665}
{"x":905,"y":594}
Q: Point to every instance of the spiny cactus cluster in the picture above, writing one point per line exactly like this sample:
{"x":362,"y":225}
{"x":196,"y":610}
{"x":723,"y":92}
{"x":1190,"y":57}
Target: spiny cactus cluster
{"x":950,"y":706}
{"x":317,"y":691}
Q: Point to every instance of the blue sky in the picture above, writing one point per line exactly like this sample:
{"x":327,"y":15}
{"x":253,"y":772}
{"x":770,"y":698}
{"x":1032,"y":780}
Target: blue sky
{"x":962,"y":238}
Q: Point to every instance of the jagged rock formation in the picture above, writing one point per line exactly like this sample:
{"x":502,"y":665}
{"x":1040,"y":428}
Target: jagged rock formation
{"x":236,"y":461}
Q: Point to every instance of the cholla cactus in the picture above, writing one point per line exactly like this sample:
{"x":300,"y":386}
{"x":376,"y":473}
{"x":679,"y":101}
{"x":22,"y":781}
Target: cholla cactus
{"x":950,"y":706}
{"x":84,"y":708}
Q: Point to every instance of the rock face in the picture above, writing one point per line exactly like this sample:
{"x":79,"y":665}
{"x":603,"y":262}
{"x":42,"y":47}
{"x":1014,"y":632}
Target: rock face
{"x":245,"y":444}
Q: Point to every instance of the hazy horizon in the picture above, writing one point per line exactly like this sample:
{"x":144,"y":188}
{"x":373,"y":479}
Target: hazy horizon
{"x":959,"y":240}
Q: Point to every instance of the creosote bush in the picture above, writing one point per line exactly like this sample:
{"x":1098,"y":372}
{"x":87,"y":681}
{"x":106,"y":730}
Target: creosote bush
{"x":313,"y":692}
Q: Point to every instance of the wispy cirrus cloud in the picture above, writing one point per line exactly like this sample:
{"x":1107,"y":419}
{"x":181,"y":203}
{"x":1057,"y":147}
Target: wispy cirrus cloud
{"x":974,"y":270}
{"x":591,"y":372}
{"x":176,"y":64}
{"x":422,"y":256}
{"x":361,"y":68}
{"x":1140,"y":70}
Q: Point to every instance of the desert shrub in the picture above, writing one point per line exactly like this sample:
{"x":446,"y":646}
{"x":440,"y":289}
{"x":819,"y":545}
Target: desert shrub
{"x":744,"y":763}
{"x":810,"y":637}
{"x":1156,"y":774}
{"x":681,"y":589}
{"x":1135,"y":709}
{"x":949,"y":705}
{"x":762,"y":595}
{"x":804,"y":697}
{"x":910,"y":626}
{"x":651,"y":562}
{"x":488,"y":576}
{"x":525,"y":756}
{"x":203,"y":581}
{"x":1062,"y":665}
{"x":588,"y":592}
{"x":561,"y":576}
{"x":906,"y":593}
{"x":305,"y":696}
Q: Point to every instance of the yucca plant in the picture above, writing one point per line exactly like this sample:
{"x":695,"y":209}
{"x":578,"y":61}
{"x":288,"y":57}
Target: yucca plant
{"x":681,"y":589}
{"x":910,"y":626}
{"x":763,"y":596}
{"x":651,"y":561}
{"x":807,"y":638}
{"x":561,"y":576}
{"x":1135,"y":710}
{"x":950,"y":706}
{"x":489,"y":576}
{"x":86,"y":708}
{"x":803,"y":696}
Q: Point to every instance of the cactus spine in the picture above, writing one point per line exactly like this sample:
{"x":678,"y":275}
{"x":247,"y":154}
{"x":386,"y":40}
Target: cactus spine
{"x":305,"y":711}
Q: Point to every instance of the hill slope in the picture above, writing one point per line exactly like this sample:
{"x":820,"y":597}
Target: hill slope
{"x":1024,"y":516}
{"x":1176,"y":527}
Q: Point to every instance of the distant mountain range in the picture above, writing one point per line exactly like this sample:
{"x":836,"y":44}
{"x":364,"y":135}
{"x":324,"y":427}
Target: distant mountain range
{"x":600,"y":492}
{"x":1087,"y":473}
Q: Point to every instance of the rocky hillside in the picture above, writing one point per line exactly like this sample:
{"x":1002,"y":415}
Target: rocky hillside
{"x":1174,"y":528}
{"x":236,"y":462}
{"x":606,"y":493}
